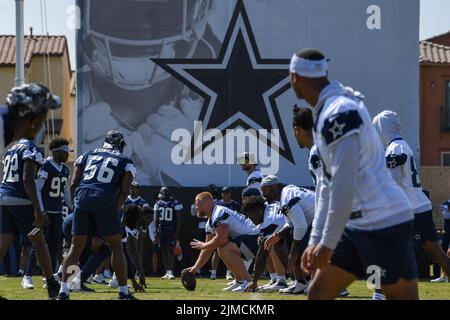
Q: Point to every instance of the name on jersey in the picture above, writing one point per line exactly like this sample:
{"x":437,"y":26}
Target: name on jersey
{"x":221,"y":149}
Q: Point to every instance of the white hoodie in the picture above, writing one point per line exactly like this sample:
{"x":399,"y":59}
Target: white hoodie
{"x":400,"y":160}
{"x":356,"y":190}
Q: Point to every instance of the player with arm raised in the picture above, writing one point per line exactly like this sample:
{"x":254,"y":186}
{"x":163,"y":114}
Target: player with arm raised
{"x":364,"y":219}
{"x":100,"y":184}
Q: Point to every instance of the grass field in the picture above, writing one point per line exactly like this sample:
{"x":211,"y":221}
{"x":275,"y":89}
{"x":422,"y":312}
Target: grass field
{"x":158,"y":289}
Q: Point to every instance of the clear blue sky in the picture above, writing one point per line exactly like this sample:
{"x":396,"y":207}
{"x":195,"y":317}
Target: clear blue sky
{"x":434,"y":19}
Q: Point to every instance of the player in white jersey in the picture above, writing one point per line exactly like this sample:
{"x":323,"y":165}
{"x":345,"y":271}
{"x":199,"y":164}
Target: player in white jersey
{"x":297,"y":205}
{"x":401,"y":165}
{"x":249,"y":165}
{"x":303,"y":124}
{"x":268,"y":220}
{"x":363,"y":217}
{"x":232,"y":234}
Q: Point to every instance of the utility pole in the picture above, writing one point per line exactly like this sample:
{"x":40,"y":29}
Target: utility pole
{"x":20,"y":59}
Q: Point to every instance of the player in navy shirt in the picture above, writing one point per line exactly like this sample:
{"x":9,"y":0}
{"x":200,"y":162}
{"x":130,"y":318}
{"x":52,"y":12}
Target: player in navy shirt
{"x":167,"y":225}
{"x":20,"y":210}
{"x":101,"y":182}
{"x":51,"y":185}
{"x":227,"y":201}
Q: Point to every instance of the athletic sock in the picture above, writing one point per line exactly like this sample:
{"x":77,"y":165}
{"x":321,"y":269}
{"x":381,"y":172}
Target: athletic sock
{"x":282,"y":279}
{"x":60,"y":269}
{"x":64,"y":288}
{"x":273,"y":276}
{"x":124,"y":289}
{"x":213,"y":273}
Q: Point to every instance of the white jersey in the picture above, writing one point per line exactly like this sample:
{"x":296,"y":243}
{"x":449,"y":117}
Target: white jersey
{"x":298,"y":205}
{"x":445,"y":210}
{"x":238,"y":224}
{"x":378,"y":201}
{"x":399,"y":156}
{"x":254,"y":179}
{"x":273,"y":220}
{"x":314,"y":164}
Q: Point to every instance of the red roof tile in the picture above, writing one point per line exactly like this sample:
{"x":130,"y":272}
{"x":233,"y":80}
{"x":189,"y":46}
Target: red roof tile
{"x":34,"y":46}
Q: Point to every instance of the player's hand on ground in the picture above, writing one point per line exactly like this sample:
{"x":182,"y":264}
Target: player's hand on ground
{"x":273,"y":239}
{"x":307,"y":263}
{"x":322,"y":256}
{"x":252,"y":287}
{"x":196,"y":244}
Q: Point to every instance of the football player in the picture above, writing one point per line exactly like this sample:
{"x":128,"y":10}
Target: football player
{"x":100,"y":185}
{"x":297,"y":205}
{"x":249,"y":165}
{"x":167,"y":213}
{"x":16,"y":116}
{"x":51,"y":185}
{"x":303,"y":124}
{"x":232,"y":234}
{"x":363,"y":217}
{"x":445,"y":211}
{"x":400,"y":162}
{"x":268,"y":220}
{"x":21,"y":213}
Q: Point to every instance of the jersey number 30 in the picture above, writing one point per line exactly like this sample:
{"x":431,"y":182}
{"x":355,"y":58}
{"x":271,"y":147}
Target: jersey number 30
{"x":105,"y":174}
{"x":165,"y":214}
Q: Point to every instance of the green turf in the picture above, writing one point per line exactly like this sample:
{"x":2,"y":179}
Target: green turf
{"x":158,"y":289}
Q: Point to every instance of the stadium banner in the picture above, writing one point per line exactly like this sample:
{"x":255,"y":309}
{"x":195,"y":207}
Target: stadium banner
{"x":194,"y":83}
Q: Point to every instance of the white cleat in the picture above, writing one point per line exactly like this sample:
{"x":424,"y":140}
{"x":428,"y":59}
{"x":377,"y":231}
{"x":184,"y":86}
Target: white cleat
{"x":232,"y":286}
{"x":171,"y":276}
{"x":243,"y":285}
{"x":271,"y":283}
{"x":27,"y":282}
{"x":296,"y":288}
{"x":229,"y":276}
{"x":165,"y":277}
{"x":441,"y":279}
{"x":44,"y":283}
{"x":90,"y":279}
{"x":107,"y":274}
{"x":231,"y":283}
{"x":277,"y":286}
{"x":99,"y":279}
{"x":113,"y":283}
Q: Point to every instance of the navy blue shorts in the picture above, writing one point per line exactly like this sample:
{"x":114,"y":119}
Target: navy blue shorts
{"x":167,"y":238}
{"x":17,"y":220}
{"x":303,"y":244}
{"x":390,"y":249}
{"x":101,"y":222}
{"x":424,"y":228}
{"x":248,"y":245}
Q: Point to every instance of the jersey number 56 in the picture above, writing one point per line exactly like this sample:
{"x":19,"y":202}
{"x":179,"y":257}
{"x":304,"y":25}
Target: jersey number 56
{"x":97,"y":167}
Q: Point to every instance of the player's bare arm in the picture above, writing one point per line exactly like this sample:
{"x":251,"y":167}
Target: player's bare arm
{"x":124,"y":191}
{"x":30,"y":169}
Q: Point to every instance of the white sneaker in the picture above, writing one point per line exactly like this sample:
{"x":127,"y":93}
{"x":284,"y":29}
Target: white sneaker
{"x":165,"y":277}
{"x":378,"y":296}
{"x":297,"y":288}
{"x":441,"y":279}
{"x":277,"y":286}
{"x":90,"y":279}
{"x":99,"y":279}
{"x":27,"y":282}
{"x":231,"y":283}
{"x":270,"y":283}
{"x":345,"y":293}
{"x":243,"y":285}
{"x":113,"y":283}
{"x":229,"y":276}
{"x":171,"y":276}
{"x":232,"y":286}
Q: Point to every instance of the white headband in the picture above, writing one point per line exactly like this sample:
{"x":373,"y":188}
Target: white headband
{"x":64,"y":148}
{"x":309,"y":68}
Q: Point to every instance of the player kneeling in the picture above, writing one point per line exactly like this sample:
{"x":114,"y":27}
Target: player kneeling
{"x":232,"y":234}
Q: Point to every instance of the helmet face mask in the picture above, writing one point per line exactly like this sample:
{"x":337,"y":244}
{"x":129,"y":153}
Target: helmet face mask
{"x":114,"y":140}
{"x":164,"y":194}
{"x":119,"y":48}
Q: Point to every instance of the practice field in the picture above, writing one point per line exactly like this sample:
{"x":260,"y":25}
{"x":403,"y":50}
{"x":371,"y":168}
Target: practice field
{"x":158,"y":289}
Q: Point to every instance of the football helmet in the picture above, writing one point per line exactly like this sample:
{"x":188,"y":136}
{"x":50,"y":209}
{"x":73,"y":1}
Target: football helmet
{"x":31,"y":98}
{"x":114,"y":140}
{"x":164,"y":194}
{"x":118,"y":47}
